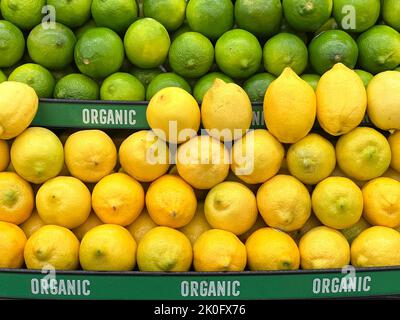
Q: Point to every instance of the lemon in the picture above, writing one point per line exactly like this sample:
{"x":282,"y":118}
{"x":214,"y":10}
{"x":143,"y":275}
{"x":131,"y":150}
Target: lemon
{"x":205,"y":83}
{"x":341,"y":100}
{"x":141,"y":226}
{"x":12,"y":244}
{"x":312,"y":159}
{"x":257,"y":156}
{"x":284,"y":203}
{"x":310,"y":224}
{"x":383,"y":100}
{"x":64,"y":201}
{"x":90,"y":155}
{"x":352,"y":232}
{"x":219,"y":250}
{"x":37,"y":155}
{"x":18,"y":106}
{"x":270,"y":249}
{"x":16,"y":198}
{"x":33,"y":224}
{"x":324,"y":248}
{"x":52,"y":246}
{"x":203,"y":162}
{"x":376,"y":247}
{"x":394,"y":142}
{"x":108,"y":247}
{"x":164,"y":249}
{"x":197,"y":226}
{"x":289,"y":107}
{"x":174,"y":115}
{"x":4,"y":155}
{"x":24,"y":13}
{"x":91,"y":222}
{"x":231,"y":206}
{"x":260,"y":223}
{"x":226,"y":111}
{"x":363,"y":154}
{"x":171,"y":201}
{"x":144,"y":156}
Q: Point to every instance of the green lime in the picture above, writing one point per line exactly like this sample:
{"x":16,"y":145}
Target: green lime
{"x":391,"y":13}
{"x":36,"y":76}
{"x":170,"y":13}
{"x":99,"y":52}
{"x":72,"y":13}
{"x":311,"y":79}
{"x":286,"y":28}
{"x":58,"y":74}
{"x":2,"y":77}
{"x":52,"y":48}
{"x":12,"y":44}
{"x":166,"y":80}
{"x":330,"y":24}
{"x":331,"y":47}
{"x":25,"y":14}
{"x":147,"y":43}
{"x":117,"y":15}
{"x":209,"y":17}
{"x":307,"y":15}
{"x":87,"y":26}
{"x":145,"y":76}
{"x":76,"y":86}
{"x":122,"y":87}
{"x":191,"y":55}
{"x":379,"y":49}
{"x":260,"y":17}
{"x":356,"y":15}
{"x":238,"y":54}
{"x":285,"y":50}
{"x":184,"y":28}
{"x":257,"y":86}
{"x":365,"y":76}
{"x":205,"y":83}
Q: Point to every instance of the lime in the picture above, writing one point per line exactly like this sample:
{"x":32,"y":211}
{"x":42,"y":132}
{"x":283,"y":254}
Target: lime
{"x":76,"y":87}
{"x":2,"y":77}
{"x":166,"y":80}
{"x":145,"y":76}
{"x":117,"y":15}
{"x":36,"y":76}
{"x":99,"y":53}
{"x":307,"y":15}
{"x":330,"y":24}
{"x":72,"y":13}
{"x":191,"y":55}
{"x":205,"y":83}
{"x":356,"y":15}
{"x":391,"y":13}
{"x":87,"y":26}
{"x":25,"y":14}
{"x":260,"y":17}
{"x":286,"y":28}
{"x":238,"y":54}
{"x":184,"y":28}
{"x":147,"y":43}
{"x":170,"y":13}
{"x":285,"y":50}
{"x":209,"y":17}
{"x":331,"y":47}
{"x":52,"y":48}
{"x":311,"y":79}
{"x":379,"y":49}
{"x":12,"y":44}
{"x":257,"y":86}
{"x":365,"y":76}
{"x":122,"y":87}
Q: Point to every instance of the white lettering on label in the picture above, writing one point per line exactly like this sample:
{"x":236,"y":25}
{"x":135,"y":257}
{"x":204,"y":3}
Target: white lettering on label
{"x":210,"y":288}
{"x":60,"y":287}
{"x":339,"y":285}
{"x":109,"y":117}
{"x":258,"y":118}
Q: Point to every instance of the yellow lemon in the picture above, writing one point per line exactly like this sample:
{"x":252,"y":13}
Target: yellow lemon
{"x":363,"y":154}
{"x":164,"y":249}
{"x":394,"y":142}
{"x":203,"y":162}
{"x":18,"y":106}
{"x":197,"y":226}
{"x":310,"y":224}
{"x":4,"y":155}
{"x":16,"y":198}
{"x":341,"y":100}
{"x":12,"y":244}
{"x":284,"y":203}
{"x":270,"y":249}
{"x":144,"y":156}
{"x":257,"y":156}
{"x":52,"y":246}
{"x":226,"y":111}
{"x":90,"y":155}
{"x":219,"y":250}
{"x":108,"y":247}
{"x":390,"y":173}
{"x":337,"y":202}
{"x":324,"y":248}
{"x":171,"y":201}
{"x":91,"y":222}
{"x":141,"y":226}
{"x":231,"y":206}
{"x":384,"y":100}
{"x":376,"y":247}
{"x":174,"y":115}
{"x":118,"y":199}
{"x":64,"y":201}
{"x":289,"y":107}
{"x":312,"y":159}
{"x":37,"y":155}
{"x":352,"y":232}
{"x":33,"y":224}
